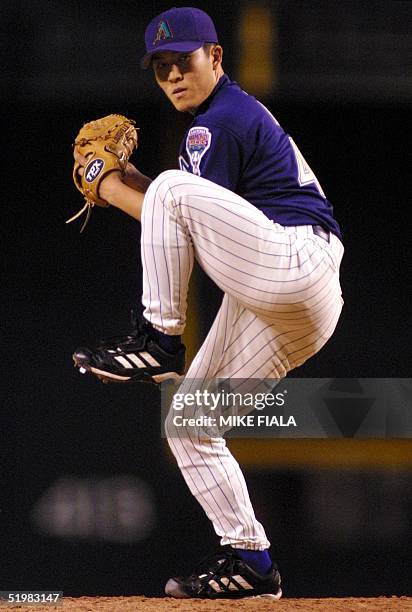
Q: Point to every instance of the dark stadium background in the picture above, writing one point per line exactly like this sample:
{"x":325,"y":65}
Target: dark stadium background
{"x":91,"y":500}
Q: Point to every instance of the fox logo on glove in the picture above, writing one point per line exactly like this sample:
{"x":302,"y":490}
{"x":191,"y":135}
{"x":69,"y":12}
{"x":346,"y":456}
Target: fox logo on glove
{"x":93,"y":170}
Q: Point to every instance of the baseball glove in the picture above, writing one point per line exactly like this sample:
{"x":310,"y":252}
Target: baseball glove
{"x":107,"y":144}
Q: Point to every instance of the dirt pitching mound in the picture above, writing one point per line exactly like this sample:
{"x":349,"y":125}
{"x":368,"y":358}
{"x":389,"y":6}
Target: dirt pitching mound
{"x":166,"y":604}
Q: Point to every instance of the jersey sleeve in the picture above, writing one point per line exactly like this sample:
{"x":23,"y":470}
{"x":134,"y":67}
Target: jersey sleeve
{"x":213,"y":153}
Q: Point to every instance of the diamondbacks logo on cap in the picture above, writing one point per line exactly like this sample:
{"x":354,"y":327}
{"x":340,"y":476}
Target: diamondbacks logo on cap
{"x":164,"y":31}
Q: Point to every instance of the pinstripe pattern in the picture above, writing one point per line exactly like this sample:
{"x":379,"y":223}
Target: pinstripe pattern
{"x":282,"y":301}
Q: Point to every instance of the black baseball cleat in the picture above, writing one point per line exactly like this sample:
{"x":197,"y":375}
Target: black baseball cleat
{"x":225,"y":576}
{"x":133,"y":358}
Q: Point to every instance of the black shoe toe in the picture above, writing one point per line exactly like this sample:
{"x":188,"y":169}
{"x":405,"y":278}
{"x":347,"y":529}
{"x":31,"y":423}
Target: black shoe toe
{"x":82,"y":355}
{"x":174,"y":589}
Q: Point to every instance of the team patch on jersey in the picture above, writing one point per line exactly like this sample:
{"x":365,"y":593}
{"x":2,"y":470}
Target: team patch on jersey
{"x":197,"y":143}
{"x":93,"y":169}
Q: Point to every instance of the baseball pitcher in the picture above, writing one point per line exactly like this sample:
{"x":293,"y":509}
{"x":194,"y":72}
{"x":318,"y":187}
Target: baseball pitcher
{"x":246,"y":205}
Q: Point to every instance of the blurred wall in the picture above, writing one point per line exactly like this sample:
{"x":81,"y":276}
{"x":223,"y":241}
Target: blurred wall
{"x":91,"y":499}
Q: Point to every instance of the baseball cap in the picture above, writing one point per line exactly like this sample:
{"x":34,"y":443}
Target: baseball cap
{"x":182,"y":30}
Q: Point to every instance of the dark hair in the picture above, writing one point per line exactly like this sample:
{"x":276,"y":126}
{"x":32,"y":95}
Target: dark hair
{"x":207,"y":46}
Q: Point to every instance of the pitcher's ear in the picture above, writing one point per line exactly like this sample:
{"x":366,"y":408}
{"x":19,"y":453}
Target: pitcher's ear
{"x":217,"y":54}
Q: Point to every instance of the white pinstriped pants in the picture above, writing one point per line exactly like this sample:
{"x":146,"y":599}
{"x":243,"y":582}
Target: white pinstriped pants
{"x":282,"y":302}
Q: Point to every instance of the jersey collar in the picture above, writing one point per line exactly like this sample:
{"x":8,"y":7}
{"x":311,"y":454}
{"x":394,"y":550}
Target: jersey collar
{"x":222,"y":82}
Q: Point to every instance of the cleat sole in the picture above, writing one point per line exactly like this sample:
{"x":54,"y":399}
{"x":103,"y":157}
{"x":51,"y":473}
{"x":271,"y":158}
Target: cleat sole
{"x":174,"y":589}
{"x":273,"y":596}
{"x":107,"y":377}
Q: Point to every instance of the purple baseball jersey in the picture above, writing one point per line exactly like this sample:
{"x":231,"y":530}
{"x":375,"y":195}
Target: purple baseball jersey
{"x":236,"y":142}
